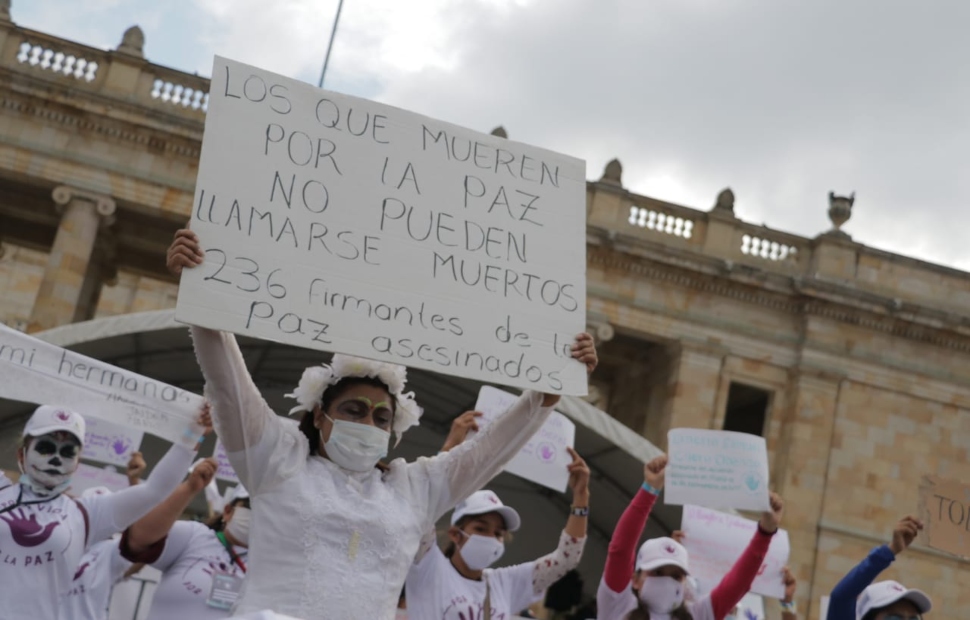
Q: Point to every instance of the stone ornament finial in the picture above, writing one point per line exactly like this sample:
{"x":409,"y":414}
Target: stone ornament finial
{"x":500,"y":132}
{"x":601,"y":331}
{"x":5,"y":10}
{"x":725,"y":201}
{"x":840,"y":210}
{"x":613,"y":173}
{"x":133,"y":42}
{"x":104,"y":205}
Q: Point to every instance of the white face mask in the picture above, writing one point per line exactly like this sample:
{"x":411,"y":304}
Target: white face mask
{"x":238,"y":526}
{"x":49,"y":462}
{"x":480,"y":552}
{"x":354,"y":446}
{"x":662,"y":595}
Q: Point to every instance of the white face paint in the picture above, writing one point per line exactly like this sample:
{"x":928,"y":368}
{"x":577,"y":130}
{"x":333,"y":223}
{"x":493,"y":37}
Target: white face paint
{"x":50,"y":460}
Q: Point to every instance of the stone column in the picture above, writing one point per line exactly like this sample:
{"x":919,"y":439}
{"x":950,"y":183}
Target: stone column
{"x":693,"y":397}
{"x":65,"y":291}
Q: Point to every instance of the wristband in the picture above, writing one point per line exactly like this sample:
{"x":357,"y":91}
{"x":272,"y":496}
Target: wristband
{"x":649,"y":489}
{"x":789,"y":607}
{"x":580,"y":512}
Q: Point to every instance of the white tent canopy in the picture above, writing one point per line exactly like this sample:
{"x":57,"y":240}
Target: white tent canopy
{"x":153,"y":344}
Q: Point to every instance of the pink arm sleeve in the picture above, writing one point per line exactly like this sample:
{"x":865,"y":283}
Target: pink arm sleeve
{"x":727,"y":594}
{"x":623,"y":546}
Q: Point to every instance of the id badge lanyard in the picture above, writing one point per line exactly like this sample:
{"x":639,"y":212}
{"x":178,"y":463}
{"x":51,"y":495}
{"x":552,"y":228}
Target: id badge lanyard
{"x":232,"y":554}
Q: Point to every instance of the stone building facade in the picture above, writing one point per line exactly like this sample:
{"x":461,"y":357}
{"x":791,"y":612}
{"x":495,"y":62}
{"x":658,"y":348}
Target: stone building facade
{"x":854,"y":363}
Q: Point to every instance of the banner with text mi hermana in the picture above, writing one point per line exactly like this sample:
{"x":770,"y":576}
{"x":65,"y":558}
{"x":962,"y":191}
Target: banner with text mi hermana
{"x":340,"y":224}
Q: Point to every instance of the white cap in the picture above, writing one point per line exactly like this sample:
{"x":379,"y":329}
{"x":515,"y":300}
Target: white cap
{"x":484,"y":502}
{"x":885,"y":593}
{"x":95,"y":491}
{"x":47,"y":419}
{"x":658,"y":552}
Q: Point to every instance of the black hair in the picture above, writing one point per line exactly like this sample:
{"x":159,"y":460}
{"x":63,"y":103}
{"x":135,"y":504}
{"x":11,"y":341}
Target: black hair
{"x":218,"y":523}
{"x":332,"y":393}
{"x":642,"y":613}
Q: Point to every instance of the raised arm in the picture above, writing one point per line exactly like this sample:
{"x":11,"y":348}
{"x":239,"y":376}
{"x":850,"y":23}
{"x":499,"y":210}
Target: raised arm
{"x":550,"y":568}
{"x":789,"y":611}
{"x":618,"y":571}
{"x":154,"y":526}
{"x":108,"y":514}
{"x":843,"y":598}
{"x":728,"y":593}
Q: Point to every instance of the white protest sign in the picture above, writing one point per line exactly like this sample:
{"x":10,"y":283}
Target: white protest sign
{"x":38,"y":372}
{"x":715,"y":540}
{"x":225,"y":471}
{"x":751,"y":607}
{"x":88,"y":477}
{"x":720,"y":469}
{"x":340,"y":224}
{"x":544,"y":459}
{"x":111,"y":443}
{"x":824,"y":608}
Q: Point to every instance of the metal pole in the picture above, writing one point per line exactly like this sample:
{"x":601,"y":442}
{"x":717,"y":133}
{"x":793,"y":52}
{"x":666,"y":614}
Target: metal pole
{"x":333,"y":33}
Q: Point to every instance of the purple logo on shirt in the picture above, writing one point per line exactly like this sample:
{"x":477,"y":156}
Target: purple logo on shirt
{"x":80,"y":570}
{"x":27,"y":532}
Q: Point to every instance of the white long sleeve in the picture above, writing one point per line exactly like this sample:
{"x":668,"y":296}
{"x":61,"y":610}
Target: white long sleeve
{"x":551,"y":567}
{"x":113,"y":513}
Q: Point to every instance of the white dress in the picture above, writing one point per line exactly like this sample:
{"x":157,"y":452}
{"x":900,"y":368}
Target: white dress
{"x":327,"y":543}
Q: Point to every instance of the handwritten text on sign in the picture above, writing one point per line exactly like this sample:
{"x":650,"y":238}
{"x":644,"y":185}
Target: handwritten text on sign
{"x":715,"y":540}
{"x":35,"y":371}
{"x":719,"y":469}
{"x":106,"y":442}
{"x":225,"y":471}
{"x":544,"y":459}
{"x":944,"y":507}
{"x":340,"y":224}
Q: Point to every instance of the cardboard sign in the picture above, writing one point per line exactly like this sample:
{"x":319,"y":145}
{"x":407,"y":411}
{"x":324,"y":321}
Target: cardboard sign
{"x":715,"y":540}
{"x":944,"y":507}
{"x":544,"y":459}
{"x":719,"y":469}
{"x":340,"y":224}
{"x":35,"y":371}
{"x":88,"y":477}
{"x":225,"y":471}
{"x":110,"y":443}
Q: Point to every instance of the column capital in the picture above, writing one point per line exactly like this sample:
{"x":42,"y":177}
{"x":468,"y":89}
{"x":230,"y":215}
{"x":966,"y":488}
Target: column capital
{"x":104,"y":205}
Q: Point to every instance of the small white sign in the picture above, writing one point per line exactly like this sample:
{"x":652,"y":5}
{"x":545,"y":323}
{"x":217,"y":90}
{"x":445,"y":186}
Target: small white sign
{"x":88,"y":477}
{"x":715,"y":540}
{"x":341,"y":224}
{"x":225,"y":470}
{"x":718,"y":469}
{"x":544,"y":459}
{"x":110,"y":443}
{"x":35,"y":371}
{"x":824,"y":608}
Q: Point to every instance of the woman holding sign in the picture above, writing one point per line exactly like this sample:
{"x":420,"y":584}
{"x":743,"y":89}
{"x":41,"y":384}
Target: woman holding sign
{"x":455,"y":584}
{"x":45,"y":533}
{"x":855,"y":599}
{"x":655,"y":589}
{"x":335,"y":531}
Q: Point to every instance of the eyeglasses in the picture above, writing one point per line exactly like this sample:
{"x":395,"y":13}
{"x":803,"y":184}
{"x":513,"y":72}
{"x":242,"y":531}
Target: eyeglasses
{"x":46,"y":447}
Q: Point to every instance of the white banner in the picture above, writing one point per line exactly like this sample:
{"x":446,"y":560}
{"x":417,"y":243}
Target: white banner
{"x":715,"y":540}
{"x":340,"y":224}
{"x":37,"y":372}
{"x":544,"y":459}
{"x":718,"y":469}
{"x":110,"y":443}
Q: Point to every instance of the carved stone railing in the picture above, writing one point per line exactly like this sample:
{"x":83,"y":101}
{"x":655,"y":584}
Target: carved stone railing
{"x":118,"y":74}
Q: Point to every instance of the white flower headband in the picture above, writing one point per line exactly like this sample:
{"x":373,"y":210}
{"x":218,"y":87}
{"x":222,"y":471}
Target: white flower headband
{"x":316,"y":380}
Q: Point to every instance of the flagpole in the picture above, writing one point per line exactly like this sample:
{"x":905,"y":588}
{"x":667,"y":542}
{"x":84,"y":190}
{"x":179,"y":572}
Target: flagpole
{"x":333,"y":33}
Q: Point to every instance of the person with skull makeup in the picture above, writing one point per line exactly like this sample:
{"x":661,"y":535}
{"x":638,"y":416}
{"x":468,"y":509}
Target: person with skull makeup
{"x":653,"y":584}
{"x":335,"y":530}
{"x":44,"y":532}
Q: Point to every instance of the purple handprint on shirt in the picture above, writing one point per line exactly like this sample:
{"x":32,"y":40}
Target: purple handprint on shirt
{"x":27,"y":532}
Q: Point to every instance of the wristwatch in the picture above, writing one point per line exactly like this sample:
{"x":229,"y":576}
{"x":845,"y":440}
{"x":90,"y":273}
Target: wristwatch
{"x":580,"y":512}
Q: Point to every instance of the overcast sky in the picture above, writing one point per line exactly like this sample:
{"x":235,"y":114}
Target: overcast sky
{"x":781,"y":100}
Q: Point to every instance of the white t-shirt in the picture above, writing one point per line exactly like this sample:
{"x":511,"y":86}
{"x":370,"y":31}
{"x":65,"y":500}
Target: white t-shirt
{"x":100,"y":569}
{"x":437,"y":591}
{"x":612,"y":605}
{"x":192,"y":553}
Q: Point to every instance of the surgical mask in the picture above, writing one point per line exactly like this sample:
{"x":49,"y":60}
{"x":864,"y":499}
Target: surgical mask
{"x":480,"y":552}
{"x":238,"y":526}
{"x":357,"y":447}
{"x":662,"y":595}
{"x":49,"y":463}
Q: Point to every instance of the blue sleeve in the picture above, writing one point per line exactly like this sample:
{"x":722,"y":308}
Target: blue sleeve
{"x":843,"y":598}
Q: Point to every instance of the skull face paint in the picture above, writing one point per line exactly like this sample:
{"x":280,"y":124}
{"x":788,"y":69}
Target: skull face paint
{"x":50,"y":460}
